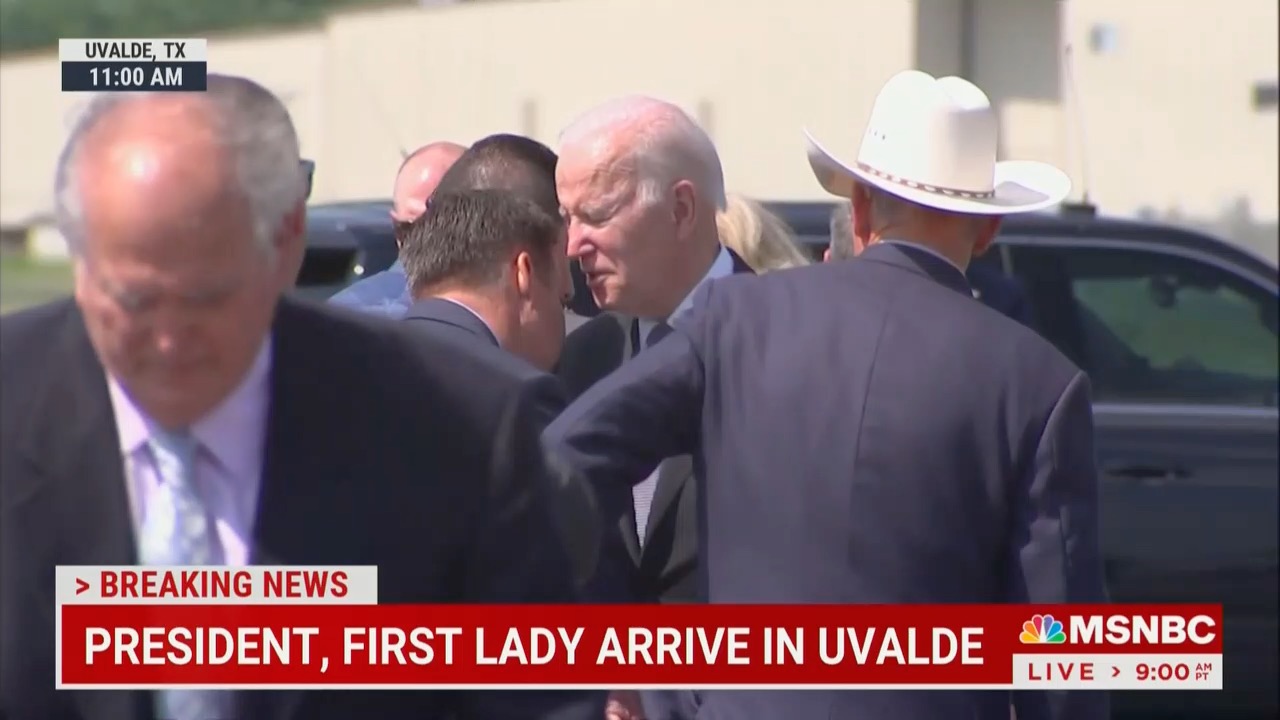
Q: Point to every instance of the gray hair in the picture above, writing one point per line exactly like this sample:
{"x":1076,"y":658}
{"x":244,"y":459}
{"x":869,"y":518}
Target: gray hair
{"x":841,"y":244}
{"x":889,"y":209}
{"x":664,"y":141}
{"x":252,"y":124}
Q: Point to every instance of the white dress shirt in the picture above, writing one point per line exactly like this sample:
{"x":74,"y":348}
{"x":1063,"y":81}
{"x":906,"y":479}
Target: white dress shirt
{"x":228,"y":471}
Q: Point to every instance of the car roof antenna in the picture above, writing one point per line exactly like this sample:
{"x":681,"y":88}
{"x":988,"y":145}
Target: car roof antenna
{"x":1073,"y":106}
{"x":356,"y":66}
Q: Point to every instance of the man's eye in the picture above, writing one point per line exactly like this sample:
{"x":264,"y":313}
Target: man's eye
{"x":133,"y":302}
{"x":208,"y":297}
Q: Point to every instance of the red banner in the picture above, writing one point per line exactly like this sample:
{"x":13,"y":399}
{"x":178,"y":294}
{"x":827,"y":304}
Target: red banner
{"x":614,"y":646}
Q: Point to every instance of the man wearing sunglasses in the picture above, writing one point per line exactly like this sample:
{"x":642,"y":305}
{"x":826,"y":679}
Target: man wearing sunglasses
{"x":387,"y":292}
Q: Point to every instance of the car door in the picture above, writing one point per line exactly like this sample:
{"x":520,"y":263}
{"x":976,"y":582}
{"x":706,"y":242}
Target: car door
{"x":1181,"y":350}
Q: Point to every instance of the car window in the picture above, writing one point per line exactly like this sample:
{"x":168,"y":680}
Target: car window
{"x":1157,"y":327}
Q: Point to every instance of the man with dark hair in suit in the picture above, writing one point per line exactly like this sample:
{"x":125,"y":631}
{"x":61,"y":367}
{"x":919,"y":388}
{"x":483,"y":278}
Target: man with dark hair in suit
{"x":997,"y":290}
{"x":491,"y":264}
{"x":527,"y":167}
{"x":182,"y":410}
{"x":867,"y":432}
{"x":386,"y":292}
{"x":504,"y":161}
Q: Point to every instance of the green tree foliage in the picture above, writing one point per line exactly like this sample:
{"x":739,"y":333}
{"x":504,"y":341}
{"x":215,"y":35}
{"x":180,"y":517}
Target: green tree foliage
{"x":27,"y":25}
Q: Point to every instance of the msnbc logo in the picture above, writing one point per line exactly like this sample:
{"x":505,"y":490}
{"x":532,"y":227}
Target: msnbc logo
{"x":1042,"y":629}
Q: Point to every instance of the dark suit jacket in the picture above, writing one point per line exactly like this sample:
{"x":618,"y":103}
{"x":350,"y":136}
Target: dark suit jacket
{"x":1000,"y":292}
{"x":444,"y":318}
{"x":664,"y":569}
{"x":384,"y":447}
{"x":577,"y":510}
{"x":867,"y":433}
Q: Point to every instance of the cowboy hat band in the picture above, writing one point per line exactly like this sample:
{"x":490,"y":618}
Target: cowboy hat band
{"x":952,"y":192}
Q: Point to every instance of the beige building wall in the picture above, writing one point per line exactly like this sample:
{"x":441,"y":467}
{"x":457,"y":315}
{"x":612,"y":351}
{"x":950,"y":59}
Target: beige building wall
{"x":1166,"y":111}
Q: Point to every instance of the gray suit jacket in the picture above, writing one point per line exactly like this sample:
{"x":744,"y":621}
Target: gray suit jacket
{"x":866,"y":432}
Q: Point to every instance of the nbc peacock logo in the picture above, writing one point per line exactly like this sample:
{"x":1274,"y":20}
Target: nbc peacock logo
{"x":1042,"y":629}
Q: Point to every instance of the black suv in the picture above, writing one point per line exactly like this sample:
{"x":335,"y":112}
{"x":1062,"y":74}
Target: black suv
{"x":1178,"y":332}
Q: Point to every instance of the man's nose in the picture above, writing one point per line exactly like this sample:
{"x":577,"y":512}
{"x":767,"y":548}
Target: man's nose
{"x":577,"y":240}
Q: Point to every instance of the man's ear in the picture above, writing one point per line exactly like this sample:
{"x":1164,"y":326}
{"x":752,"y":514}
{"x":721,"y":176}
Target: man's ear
{"x":826,"y":255}
{"x":860,"y":216}
{"x":522,"y":271}
{"x":291,"y":245}
{"x":684,"y":209}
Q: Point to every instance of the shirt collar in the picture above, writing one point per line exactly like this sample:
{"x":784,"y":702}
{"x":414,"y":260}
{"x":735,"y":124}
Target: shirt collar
{"x":232,"y":432}
{"x":466,"y":307}
{"x":721,"y":267}
{"x":931,"y":251}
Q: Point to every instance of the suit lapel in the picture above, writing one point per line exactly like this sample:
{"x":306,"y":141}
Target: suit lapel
{"x":674,"y":472}
{"x":631,"y":538}
{"x":739,"y":265}
{"x":76,"y":503}
{"x":295,"y":471}
{"x":626,"y":347}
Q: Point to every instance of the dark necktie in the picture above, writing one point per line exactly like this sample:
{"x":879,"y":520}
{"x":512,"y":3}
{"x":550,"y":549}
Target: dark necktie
{"x":656,"y":333}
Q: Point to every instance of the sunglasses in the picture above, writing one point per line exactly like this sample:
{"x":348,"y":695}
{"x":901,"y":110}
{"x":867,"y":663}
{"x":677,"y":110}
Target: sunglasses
{"x":309,"y":169}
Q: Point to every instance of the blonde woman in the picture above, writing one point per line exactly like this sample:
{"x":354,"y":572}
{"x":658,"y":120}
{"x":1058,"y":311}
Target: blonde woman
{"x":758,"y":236}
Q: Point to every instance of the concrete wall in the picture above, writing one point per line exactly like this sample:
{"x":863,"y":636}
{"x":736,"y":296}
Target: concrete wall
{"x":1167,"y":113}
{"x":1168,"y":108}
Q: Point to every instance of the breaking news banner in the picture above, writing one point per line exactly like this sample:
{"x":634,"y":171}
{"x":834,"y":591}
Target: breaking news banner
{"x":322,"y":628}
{"x":115,"y":65}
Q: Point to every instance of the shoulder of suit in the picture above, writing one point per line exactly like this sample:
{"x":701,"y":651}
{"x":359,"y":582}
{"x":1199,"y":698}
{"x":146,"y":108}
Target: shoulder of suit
{"x":392,"y":354}
{"x":379,"y":285}
{"x":604,"y":326}
{"x":36,"y":319}
{"x":27,"y":332}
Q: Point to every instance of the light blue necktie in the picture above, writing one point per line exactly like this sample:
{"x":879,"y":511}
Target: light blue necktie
{"x":642,"y":494}
{"x":177,"y":531}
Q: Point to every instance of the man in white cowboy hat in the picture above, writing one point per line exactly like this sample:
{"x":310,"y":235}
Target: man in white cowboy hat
{"x":870,"y":432}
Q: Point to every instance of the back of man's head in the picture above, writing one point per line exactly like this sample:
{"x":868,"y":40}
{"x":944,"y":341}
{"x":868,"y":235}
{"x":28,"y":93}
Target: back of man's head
{"x":513,"y":163}
{"x":419,"y":176}
{"x":468,"y":238}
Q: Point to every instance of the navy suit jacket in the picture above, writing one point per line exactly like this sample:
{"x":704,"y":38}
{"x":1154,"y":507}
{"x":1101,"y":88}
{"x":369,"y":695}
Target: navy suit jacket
{"x":866,"y":432}
{"x":383,"y":447}
{"x":445,"y":318}
{"x":1000,"y":292}
{"x":577,"y":509}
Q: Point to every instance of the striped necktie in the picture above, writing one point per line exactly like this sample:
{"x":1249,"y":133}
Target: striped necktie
{"x":176,"y":531}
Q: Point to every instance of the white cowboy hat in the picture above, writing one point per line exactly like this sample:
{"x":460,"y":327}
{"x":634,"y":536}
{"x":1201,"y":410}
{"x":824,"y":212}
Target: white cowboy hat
{"x":933,"y":141}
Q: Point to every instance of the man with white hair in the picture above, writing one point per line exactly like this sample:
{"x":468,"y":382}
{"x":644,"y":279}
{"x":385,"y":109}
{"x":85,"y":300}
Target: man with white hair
{"x":639,"y":185}
{"x":870,"y":432}
{"x":180,"y":410}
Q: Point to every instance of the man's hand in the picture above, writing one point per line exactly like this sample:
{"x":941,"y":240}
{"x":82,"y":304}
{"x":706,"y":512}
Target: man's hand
{"x":624,"y":705}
